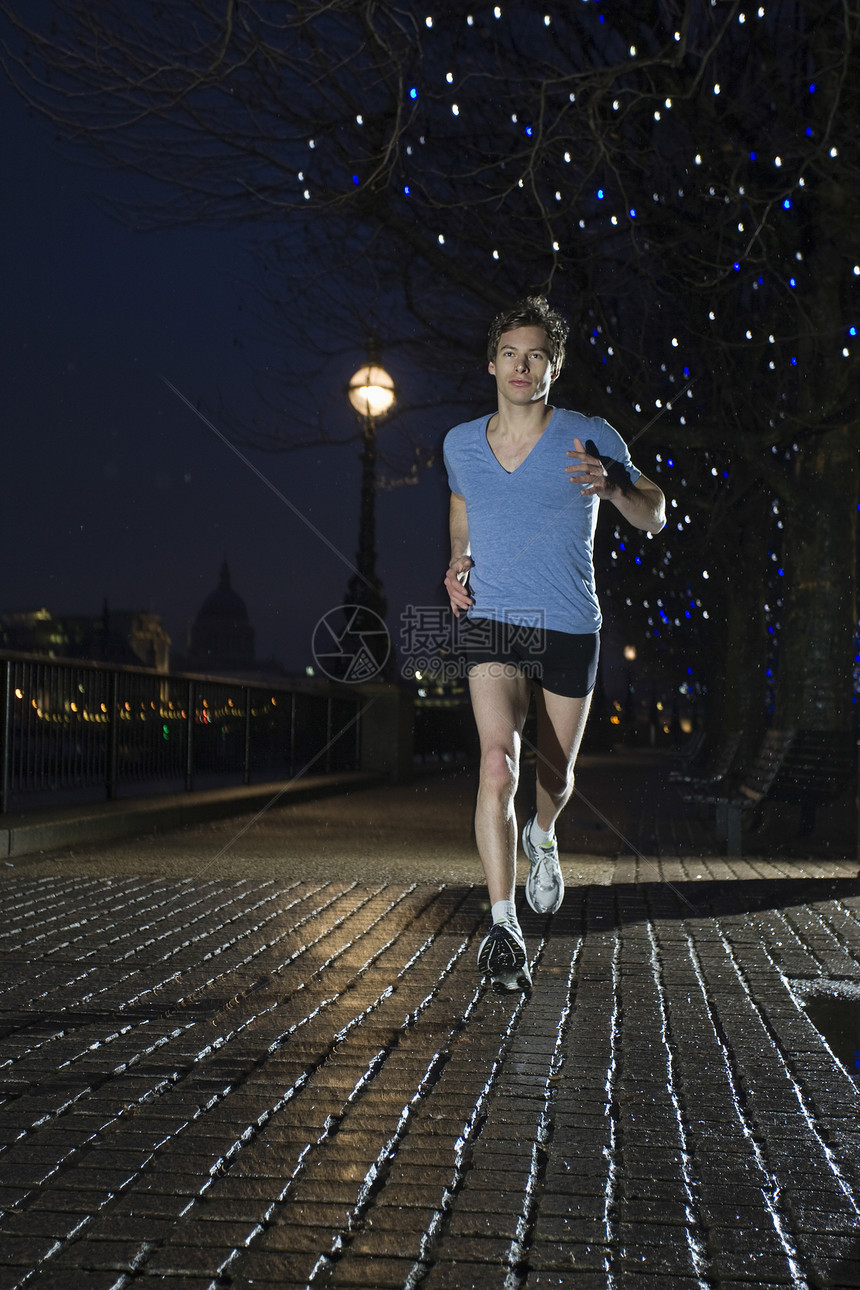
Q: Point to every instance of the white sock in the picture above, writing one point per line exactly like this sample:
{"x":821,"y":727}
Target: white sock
{"x":537,"y":835}
{"x":504,"y":910}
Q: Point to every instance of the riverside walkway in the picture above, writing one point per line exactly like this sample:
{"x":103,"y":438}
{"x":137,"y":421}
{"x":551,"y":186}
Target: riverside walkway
{"x":256,"y":1052}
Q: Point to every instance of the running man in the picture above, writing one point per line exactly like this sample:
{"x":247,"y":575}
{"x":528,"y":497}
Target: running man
{"x":526,"y":483}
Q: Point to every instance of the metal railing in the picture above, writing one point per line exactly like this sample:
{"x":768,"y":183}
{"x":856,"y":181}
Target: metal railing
{"x":69,"y":725}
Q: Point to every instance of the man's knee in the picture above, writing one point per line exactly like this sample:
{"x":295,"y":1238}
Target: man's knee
{"x":557,"y":784}
{"x":499,"y":770}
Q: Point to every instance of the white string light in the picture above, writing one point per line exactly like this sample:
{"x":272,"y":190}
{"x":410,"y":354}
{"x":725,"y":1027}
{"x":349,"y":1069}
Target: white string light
{"x":596,"y":210}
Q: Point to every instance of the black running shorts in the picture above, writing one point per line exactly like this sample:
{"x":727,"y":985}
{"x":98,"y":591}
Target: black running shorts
{"x":560,"y":662}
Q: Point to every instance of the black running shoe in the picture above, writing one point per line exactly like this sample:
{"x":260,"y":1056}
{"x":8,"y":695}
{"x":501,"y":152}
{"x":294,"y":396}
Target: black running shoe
{"x":502,"y":949}
{"x":510,"y":982}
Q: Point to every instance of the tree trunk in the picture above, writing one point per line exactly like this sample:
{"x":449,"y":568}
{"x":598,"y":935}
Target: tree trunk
{"x":814,"y":681}
{"x":737,"y":687}
{"x":743,"y":703}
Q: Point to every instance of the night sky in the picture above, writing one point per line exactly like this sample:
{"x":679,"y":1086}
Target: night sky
{"x":113,"y":487}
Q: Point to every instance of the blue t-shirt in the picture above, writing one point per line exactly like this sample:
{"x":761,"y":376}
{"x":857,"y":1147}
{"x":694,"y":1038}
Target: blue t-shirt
{"x":531,"y":531}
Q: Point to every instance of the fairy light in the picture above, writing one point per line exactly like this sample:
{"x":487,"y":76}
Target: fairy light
{"x":706,"y":184}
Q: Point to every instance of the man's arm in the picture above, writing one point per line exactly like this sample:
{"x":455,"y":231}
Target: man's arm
{"x":461,"y":561}
{"x":643,"y":504}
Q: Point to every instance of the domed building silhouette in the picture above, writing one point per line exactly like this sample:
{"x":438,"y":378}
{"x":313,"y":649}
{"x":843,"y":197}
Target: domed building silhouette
{"x":221,"y":638}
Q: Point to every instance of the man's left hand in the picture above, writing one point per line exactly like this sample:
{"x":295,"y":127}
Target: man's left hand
{"x":590,"y":472}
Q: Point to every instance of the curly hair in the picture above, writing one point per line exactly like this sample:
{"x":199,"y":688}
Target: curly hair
{"x":531,"y":311}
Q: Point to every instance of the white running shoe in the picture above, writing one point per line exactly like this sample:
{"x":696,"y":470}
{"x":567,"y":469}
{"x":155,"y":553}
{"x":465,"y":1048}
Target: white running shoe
{"x":544,"y":885}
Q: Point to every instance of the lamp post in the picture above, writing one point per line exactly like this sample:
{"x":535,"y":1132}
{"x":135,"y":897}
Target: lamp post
{"x":629,"y":699}
{"x":372,"y":394}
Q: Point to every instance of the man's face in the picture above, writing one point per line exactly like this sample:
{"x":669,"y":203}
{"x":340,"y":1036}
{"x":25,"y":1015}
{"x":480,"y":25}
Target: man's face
{"x":522,"y":367}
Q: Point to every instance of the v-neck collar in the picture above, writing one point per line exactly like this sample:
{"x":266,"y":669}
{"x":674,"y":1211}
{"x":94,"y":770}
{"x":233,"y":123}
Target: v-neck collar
{"x":516,"y":470}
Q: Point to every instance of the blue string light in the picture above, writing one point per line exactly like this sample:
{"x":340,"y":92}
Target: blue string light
{"x":746,"y":205}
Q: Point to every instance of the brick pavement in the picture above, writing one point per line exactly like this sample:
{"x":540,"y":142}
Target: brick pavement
{"x":257,"y":1081}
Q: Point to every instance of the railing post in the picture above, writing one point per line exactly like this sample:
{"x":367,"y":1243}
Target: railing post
{"x":6,"y":750}
{"x":246,"y":759}
{"x":189,"y":738}
{"x":387,"y":731}
{"x":292,"y":733}
{"x":113,"y":736}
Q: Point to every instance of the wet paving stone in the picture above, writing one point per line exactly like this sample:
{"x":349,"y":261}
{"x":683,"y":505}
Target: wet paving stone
{"x":232,"y":1083}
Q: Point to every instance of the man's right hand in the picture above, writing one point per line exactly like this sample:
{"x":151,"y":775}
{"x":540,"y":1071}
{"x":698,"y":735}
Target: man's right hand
{"x":455,"y":584}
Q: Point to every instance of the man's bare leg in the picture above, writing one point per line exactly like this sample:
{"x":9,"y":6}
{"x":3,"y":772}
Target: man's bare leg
{"x":500,"y":700}
{"x":560,"y":726}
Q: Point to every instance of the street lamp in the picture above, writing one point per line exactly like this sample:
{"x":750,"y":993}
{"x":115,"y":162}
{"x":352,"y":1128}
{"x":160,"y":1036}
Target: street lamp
{"x":372,"y":394}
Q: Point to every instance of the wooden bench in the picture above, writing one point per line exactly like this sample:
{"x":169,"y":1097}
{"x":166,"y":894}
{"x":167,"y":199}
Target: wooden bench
{"x":744,"y":802}
{"x":692,"y":753}
{"x":819,"y":766}
{"x":805,"y":767}
{"x":714,"y":772}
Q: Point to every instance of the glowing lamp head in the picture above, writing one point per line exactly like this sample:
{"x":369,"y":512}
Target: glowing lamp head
{"x":371,"y":392}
